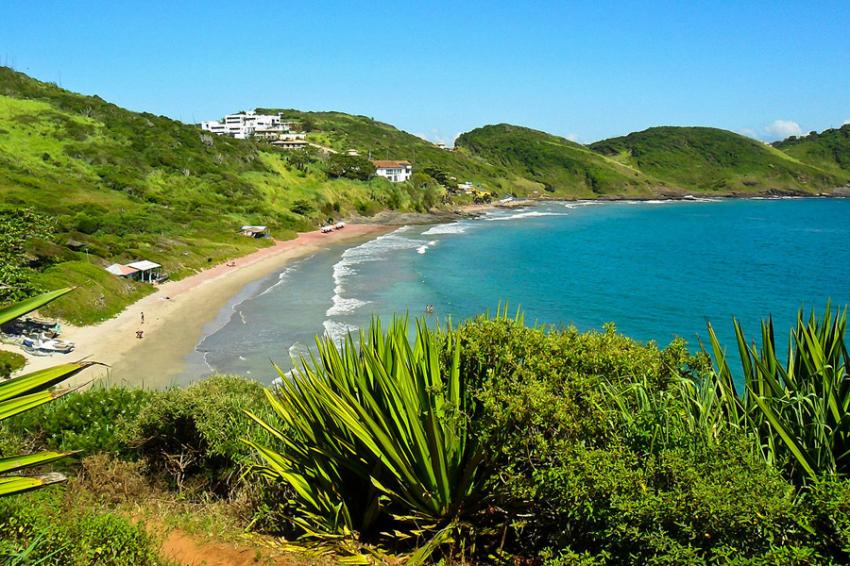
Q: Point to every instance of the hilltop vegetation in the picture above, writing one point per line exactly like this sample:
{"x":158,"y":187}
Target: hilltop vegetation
{"x":561,"y":166}
{"x":829,"y":150}
{"x":377,"y":140}
{"x":715,"y":161}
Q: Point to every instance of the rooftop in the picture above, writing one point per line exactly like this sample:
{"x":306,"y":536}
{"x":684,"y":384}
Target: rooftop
{"x":389,"y":164}
{"x":121,"y":270}
{"x":143,"y":265}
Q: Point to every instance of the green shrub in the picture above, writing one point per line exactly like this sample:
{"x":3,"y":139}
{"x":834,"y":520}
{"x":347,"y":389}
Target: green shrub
{"x":827,"y":505}
{"x":196,"y":432}
{"x":10,"y":362}
{"x":95,"y":420}
{"x":68,"y":536}
{"x":540,"y":387}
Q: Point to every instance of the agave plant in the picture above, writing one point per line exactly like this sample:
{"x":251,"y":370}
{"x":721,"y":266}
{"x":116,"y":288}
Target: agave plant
{"x":798,"y":411}
{"x":377,"y":435}
{"x":26,"y":392}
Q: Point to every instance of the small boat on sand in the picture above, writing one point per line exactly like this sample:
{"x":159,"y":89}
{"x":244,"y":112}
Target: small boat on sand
{"x":46,"y":346}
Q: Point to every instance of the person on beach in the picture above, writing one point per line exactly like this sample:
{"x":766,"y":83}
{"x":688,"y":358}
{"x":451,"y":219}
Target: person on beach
{"x":139,"y":334}
{"x":143,"y":317}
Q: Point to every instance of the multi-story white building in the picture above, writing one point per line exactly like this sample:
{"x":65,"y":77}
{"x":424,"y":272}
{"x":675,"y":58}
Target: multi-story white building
{"x":250,"y":124}
{"x":395,"y":171}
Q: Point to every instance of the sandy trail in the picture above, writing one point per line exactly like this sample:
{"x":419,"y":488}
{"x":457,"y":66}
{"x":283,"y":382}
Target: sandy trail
{"x":175,"y":315}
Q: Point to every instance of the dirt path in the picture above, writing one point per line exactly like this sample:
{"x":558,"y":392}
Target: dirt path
{"x":186,"y":550}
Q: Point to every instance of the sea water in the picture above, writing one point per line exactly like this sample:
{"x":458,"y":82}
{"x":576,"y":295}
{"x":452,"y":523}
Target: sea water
{"x":657,"y":269}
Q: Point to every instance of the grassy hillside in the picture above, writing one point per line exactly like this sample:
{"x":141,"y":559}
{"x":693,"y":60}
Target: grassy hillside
{"x":561,"y":166}
{"x":371,"y":138}
{"x":122,"y":185}
{"x":829,"y":150}
{"x":711,"y":160}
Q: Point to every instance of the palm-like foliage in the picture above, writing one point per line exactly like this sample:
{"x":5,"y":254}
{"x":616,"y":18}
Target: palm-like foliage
{"x":799,"y":411}
{"x":377,"y":435}
{"x":26,"y":392}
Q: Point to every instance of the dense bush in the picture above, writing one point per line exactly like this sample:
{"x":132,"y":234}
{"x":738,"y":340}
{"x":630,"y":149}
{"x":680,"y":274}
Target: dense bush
{"x":598,"y":464}
{"x":40,"y":528}
{"x":93,"y":421}
{"x":197,"y":432}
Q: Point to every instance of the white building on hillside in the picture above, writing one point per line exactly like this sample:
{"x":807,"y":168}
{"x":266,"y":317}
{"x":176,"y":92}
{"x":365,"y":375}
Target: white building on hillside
{"x":250,"y":124}
{"x":395,"y":171}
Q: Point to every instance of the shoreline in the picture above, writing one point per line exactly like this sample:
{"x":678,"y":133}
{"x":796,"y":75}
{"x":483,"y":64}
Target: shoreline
{"x":177,"y":312}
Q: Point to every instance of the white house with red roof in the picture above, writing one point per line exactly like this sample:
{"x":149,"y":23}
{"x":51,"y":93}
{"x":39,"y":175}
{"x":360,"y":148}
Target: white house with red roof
{"x":395,"y":171}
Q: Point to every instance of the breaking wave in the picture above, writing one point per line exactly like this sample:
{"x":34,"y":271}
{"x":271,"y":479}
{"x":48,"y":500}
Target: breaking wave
{"x":455,"y":228}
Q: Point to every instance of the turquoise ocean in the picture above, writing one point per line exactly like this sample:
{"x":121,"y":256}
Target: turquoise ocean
{"x":657,"y":269}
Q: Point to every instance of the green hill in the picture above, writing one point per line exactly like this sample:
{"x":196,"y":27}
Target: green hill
{"x":377,"y":140}
{"x":829,"y":150}
{"x":563,"y":167}
{"x":122,"y":185}
{"x":715,"y":161}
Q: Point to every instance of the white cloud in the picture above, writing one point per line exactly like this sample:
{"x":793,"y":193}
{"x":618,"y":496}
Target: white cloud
{"x":750,"y":133}
{"x":573,"y":137}
{"x":846,"y":122}
{"x":781,"y":129}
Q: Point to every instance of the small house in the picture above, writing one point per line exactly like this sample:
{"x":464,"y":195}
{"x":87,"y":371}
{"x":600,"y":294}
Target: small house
{"x":147,"y":271}
{"x":394,"y":171}
{"x":255,"y":231}
{"x":143,"y":270}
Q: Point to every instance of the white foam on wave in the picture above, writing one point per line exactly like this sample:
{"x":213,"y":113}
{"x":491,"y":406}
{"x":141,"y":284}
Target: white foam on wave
{"x":373,"y":250}
{"x":455,"y":228}
{"x":281,"y":279}
{"x":425,"y":247}
{"x":528,"y":214}
{"x":579,"y":203}
{"x":342,"y":305}
{"x":297,"y":351}
{"x":336,"y":330}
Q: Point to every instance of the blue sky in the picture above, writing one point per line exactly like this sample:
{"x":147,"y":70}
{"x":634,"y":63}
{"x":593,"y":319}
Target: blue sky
{"x":585,"y":70}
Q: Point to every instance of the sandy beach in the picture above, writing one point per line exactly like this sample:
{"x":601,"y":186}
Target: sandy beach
{"x":175,"y":315}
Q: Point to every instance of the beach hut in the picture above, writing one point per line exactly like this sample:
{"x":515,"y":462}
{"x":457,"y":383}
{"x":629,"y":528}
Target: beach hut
{"x":147,"y":271}
{"x":121,"y":270}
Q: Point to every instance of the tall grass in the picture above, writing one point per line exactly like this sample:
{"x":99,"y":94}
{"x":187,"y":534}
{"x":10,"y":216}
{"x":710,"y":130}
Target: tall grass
{"x":796,"y":410}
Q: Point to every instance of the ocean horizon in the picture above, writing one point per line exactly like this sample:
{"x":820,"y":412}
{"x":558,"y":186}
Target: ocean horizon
{"x":656,"y":269}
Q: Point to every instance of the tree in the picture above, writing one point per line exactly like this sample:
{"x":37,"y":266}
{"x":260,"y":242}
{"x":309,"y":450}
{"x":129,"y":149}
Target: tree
{"x":302,"y":207}
{"x":17,"y":227}
{"x":350,"y":166}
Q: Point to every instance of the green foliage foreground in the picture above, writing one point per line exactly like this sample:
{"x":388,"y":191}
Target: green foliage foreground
{"x":493,"y":442}
{"x":27,"y":392}
{"x":377,"y":437}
